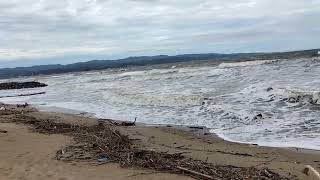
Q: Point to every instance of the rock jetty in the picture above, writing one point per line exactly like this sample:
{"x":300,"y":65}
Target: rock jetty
{"x":21,"y":85}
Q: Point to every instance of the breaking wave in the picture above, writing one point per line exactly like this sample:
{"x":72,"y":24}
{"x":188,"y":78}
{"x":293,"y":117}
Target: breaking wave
{"x":246,"y":63}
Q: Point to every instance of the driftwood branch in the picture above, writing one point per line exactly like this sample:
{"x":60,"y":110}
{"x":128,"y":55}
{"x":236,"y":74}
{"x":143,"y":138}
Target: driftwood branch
{"x":196,"y":173}
{"x":264,"y":163}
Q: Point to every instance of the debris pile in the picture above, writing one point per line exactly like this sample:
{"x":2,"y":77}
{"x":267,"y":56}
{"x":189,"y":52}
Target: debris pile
{"x":104,"y":143}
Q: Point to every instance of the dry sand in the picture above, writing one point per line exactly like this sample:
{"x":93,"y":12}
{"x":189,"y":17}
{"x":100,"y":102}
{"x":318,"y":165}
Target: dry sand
{"x":25,"y":155}
{"x":28,"y":155}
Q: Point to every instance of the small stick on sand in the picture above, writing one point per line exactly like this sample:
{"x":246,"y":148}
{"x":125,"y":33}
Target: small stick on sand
{"x":196,"y":173}
{"x":264,"y":163}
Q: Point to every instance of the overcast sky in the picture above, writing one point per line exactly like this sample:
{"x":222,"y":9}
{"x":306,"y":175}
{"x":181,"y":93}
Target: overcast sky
{"x":65,"y":31}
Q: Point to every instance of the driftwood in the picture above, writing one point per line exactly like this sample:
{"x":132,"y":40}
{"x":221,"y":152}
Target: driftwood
{"x":196,"y":173}
{"x":3,"y":131}
{"x":105,"y":139}
{"x":264,"y":163}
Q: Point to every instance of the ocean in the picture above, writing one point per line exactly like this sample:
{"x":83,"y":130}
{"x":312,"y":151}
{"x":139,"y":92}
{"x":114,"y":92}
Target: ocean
{"x":270,"y":103}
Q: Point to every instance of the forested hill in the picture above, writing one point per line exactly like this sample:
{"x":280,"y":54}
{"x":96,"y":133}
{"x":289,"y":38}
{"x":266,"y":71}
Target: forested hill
{"x":147,"y":60}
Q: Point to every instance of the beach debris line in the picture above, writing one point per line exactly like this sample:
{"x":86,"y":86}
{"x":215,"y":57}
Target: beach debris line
{"x":21,"y":85}
{"x":104,"y":141}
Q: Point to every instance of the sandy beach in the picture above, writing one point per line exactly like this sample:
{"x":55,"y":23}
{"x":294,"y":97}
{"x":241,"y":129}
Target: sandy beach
{"x":29,"y":154}
{"x":159,"y":90}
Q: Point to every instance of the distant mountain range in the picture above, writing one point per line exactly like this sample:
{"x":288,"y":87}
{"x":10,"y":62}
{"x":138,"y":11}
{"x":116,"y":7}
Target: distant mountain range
{"x":147,"y":60}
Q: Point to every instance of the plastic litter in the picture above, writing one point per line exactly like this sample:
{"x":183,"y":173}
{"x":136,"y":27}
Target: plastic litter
{"x":103,"y":158}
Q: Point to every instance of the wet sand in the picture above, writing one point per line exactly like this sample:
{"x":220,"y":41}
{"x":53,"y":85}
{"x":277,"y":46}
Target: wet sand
{"x":28,"y":155}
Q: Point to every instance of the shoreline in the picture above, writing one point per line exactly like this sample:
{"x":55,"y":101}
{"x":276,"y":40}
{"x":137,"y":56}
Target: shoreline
{"x":183,"y":127}
{"x":279,"y":133}
{"x":198,"y":144}
{"x":195,"y":131}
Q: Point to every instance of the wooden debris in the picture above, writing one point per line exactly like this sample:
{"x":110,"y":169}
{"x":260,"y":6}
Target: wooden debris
{"x":266,"y":162}
{"x":196,"y":173}
{"x":104,"y":138}
{"x":3,"y":131}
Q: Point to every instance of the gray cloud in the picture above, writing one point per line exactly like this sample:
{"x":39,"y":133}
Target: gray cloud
{"x":64,"y":31}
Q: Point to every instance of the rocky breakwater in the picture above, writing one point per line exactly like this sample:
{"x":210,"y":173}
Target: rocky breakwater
{"x":21,"y":85}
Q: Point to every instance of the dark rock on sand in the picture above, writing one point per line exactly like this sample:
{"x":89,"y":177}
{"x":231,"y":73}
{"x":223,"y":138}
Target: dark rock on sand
{"x":21,"y":85}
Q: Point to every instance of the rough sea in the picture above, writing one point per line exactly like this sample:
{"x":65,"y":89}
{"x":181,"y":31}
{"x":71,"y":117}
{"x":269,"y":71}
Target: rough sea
{"x":271,"y":103}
